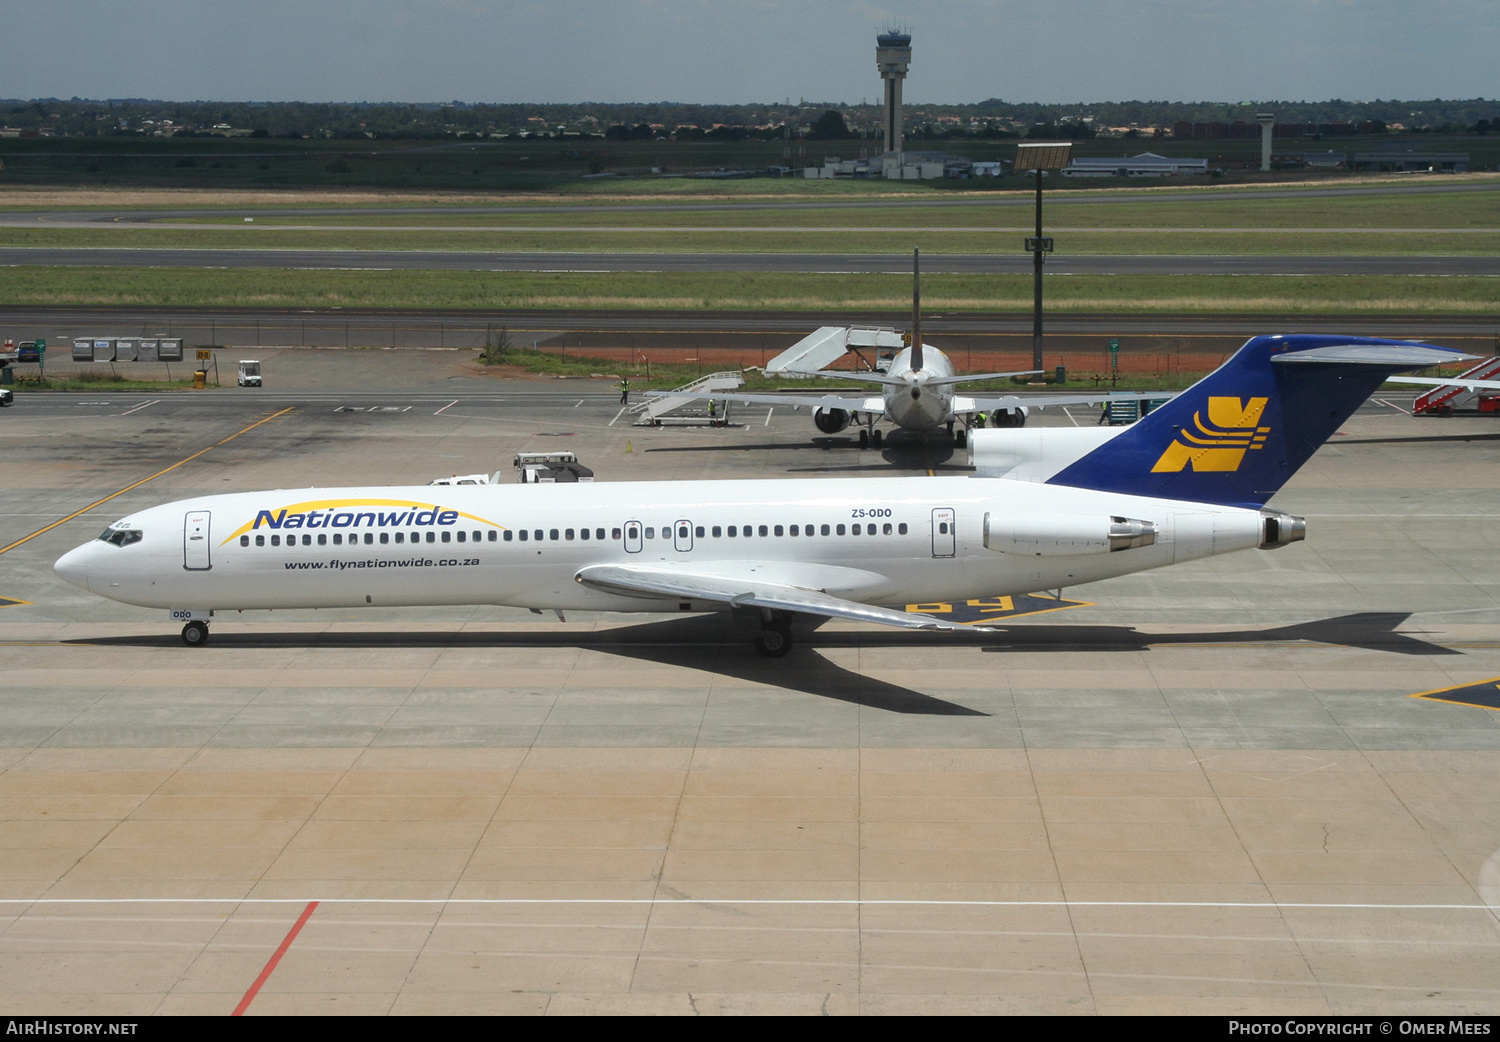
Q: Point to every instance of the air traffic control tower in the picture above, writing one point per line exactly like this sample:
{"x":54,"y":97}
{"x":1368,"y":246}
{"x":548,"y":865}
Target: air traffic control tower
{"x":892,"y":56}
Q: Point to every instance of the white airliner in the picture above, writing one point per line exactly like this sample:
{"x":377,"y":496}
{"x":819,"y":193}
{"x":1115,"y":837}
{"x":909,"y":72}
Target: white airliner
{"x":918,"y":393}
{"x":1046,"y":509}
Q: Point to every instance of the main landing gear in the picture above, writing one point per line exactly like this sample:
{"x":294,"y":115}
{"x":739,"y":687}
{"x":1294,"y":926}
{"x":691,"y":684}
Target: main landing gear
{"x":868,"y":438}
{"x":195,"y":634}
{"x":775,"y":638}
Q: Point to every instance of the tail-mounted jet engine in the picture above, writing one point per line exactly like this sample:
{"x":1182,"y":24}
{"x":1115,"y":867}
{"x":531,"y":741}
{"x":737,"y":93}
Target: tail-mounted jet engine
{"x":831,"y":421}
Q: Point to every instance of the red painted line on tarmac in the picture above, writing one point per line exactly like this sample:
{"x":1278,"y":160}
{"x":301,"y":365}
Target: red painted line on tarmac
{"x":265,"y":974}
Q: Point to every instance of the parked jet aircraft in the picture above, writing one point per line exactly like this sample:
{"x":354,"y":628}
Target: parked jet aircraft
{"x":918,"y":393}
{"x":1047,"y":509}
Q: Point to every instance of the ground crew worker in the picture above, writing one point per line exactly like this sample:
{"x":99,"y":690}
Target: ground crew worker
{"x":624,"y":391}
{"x":713,"y":413}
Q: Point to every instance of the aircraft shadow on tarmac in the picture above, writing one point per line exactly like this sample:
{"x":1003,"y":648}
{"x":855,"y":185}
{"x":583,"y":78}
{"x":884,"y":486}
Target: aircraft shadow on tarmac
{"x":698,"y":642}
{"x":1368,"y":630}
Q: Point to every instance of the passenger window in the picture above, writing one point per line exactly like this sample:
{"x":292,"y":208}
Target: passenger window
{"x":583,"y":533}
{"x":682,"y":531}
{"x":718,"y":532}
{"x":599,"y":533}
{"x":244,"y":540}
{"x":400,"y":537}
{"x":569,"y":534}
{"x":338,"y":539}
{"x":276,"y":540}
{"x":943,"y":527}
{"x":825,"y":529}
{"x":476,"y":537}
{"x":385,"y":537}
{"x":855,"y":530}
{"x":554,"y":535}
{"x":614,"y":533}
{"x":540,"y":535}
{"x":650,"y":533}
{"x":778,"y":530}
{"x":431,"y":537}
{"x":322,"y":538}
{"x":523,"y":535}
{"x":447,"y":536}
{"x":901,"y":528}
{"x":462,"y":536}
{"x":494,"y":538}
{"x":762,"y":530}
{"x":700,"y":532}
{"x":369,"y":538}
{"x":307,"y":540}
{"x":509,"y":534}
{"x":260,"y":540}
{"x":793,"y":530}
{"x":731,"y":531}
{"x":839,"y":529}
{"x":887,"y":528}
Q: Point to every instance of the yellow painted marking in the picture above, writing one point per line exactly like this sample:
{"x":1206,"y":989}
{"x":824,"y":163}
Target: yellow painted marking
{"x":138,"y":484}
{"x":1431,"y":696}
{"x":11,"y":602}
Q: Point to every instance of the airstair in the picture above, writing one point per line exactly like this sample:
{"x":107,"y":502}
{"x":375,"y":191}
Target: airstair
{"x":649,"y":411}
{"x":1441,"y":401}
{"x":827,"y":344}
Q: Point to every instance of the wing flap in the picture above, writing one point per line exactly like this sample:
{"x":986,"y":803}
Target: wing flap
{"x":635,"y":581}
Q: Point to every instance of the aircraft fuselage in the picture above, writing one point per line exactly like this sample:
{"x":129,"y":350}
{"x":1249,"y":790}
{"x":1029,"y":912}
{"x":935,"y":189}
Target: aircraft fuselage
{"x":873,"y":541}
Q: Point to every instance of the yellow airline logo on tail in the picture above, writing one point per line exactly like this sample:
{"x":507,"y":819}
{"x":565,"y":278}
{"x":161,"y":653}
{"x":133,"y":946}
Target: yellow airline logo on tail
{"x":1221,"y":443}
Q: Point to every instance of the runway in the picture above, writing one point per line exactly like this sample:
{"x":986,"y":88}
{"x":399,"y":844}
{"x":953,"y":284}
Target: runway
{"x":895,"y":264}
{"x":1205,"y":790}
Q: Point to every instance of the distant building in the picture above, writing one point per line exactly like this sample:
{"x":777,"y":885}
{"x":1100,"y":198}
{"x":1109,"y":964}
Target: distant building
{"x":1147,"y":164}
{"x":1412,"y":162}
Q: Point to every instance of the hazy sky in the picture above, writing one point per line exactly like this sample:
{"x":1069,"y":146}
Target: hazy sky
{"x":746,"y":51}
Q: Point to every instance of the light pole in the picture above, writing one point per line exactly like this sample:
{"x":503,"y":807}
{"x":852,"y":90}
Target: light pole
{"x":1040,"y":156}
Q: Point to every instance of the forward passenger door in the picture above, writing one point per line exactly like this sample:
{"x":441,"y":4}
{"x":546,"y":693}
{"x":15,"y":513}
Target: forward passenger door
{"x":195,"y":552}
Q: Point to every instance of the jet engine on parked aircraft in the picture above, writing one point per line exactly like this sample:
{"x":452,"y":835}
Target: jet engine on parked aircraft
{"x":831,"y":421}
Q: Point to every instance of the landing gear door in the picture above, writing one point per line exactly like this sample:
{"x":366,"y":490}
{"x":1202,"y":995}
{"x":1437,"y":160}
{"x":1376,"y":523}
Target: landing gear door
{"x":195,"y":554}
{"x":632,"y":537}
{"x":944,"y":532}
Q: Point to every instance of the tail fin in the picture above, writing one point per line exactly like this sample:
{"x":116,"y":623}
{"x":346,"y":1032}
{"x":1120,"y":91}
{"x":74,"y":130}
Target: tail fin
{"x":916,"y":311}
{"x":1240,"y":433}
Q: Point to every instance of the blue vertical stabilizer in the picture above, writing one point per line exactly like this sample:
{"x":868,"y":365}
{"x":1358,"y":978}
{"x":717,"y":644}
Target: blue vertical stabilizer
{"x":1237,"y":435}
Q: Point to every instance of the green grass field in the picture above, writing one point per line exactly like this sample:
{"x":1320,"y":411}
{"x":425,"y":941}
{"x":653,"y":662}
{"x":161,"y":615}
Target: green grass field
{"x":183,"y":287}
{"x":759,"y":216}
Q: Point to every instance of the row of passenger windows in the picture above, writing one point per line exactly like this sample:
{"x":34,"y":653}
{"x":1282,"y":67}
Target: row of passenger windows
{"x":370,"y":538}
{"x":581,"y":534}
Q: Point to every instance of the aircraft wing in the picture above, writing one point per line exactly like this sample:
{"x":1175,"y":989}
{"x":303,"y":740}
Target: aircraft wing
{"x":796,"y":401}
{"x":671,"y":583}
{"x":982,"y":403}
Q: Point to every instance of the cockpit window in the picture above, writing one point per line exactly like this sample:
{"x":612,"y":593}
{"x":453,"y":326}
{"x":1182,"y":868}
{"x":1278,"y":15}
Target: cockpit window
{"x":121,"y":536}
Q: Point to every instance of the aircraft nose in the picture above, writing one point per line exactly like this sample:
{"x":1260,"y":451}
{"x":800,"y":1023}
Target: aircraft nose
{"x":73,"y":566}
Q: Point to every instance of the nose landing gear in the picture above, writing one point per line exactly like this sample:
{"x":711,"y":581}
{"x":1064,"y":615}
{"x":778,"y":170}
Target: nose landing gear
{"x":195,"y":634}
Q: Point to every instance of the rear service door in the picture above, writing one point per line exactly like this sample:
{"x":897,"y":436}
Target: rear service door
{"x":195,"y":542}
{"x":632,"y":537}
{"x":944,"y":532}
